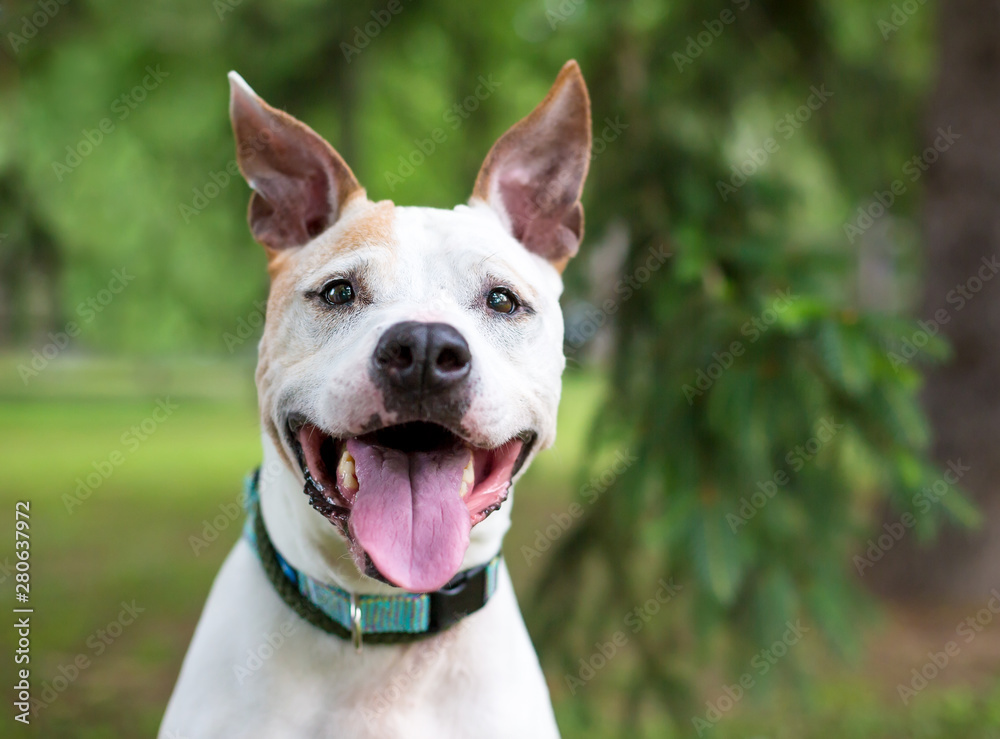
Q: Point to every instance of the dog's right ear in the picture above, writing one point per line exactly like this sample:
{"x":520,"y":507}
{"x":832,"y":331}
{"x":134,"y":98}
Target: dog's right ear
{"x":300,"y":183}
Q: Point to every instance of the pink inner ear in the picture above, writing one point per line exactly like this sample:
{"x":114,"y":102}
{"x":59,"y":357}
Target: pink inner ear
{"x":292,"y":209}
{"x":534,"y":173}
{"x":300,"y":183}
{"x":541,"y":206}
{"x":513,"y":188}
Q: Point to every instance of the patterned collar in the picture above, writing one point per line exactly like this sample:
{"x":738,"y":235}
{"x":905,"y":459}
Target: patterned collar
{"x":379,"y":619}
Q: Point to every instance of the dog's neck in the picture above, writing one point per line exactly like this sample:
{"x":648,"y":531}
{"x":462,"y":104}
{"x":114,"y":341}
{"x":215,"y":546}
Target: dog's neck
{"x":313,"y":545}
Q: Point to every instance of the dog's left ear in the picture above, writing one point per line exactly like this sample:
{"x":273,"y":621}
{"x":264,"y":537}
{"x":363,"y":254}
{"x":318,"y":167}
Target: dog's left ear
{"x":300,"y":182}
{"x":534,"y":174}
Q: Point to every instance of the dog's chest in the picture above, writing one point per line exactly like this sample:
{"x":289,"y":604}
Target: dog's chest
{"x":256,"y":670}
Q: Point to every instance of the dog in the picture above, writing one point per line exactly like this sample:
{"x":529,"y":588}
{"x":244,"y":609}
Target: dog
{"x":409,"y":371}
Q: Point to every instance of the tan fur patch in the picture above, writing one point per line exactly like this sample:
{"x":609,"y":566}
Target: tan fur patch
{"x":365,"y":224}
{"x":370,"y":225}
{"x":560,"y":264}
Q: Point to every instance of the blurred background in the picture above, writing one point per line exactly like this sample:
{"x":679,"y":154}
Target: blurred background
{"x":772,"y":509}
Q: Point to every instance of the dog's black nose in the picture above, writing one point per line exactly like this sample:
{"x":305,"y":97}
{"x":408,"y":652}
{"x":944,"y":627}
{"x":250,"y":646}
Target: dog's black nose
{"x":424,"y":357}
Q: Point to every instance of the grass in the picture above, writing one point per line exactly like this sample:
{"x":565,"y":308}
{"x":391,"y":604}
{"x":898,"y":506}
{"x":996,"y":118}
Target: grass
{"x":125,"y":541}
{"x":129,"y":541}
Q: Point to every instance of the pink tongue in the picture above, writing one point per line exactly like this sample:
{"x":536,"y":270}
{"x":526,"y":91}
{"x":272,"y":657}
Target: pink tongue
{"x":408,"y":515}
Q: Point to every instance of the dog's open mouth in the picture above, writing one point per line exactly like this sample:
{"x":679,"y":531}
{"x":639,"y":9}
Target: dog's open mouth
{"x":406,"y":496}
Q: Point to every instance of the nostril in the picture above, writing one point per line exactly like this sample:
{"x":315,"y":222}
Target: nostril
{"x":402,"y":357}
{"x":395,"y":356}
{"x":450,"y":360}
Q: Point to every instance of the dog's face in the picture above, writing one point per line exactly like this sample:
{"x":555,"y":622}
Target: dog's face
{"x":411,"y":358}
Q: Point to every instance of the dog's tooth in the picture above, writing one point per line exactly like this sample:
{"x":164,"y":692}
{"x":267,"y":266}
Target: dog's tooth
{"x":468,"y":477}
{"x":346,"y":475}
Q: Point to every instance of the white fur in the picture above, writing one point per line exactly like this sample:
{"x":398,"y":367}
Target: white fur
{"x":482,"y":677}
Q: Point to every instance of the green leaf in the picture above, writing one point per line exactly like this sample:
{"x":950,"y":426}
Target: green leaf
{"x":716,"y":555}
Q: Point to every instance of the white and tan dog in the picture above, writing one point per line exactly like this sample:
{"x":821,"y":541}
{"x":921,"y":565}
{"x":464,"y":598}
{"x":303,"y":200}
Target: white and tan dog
{"x":409,"y":370}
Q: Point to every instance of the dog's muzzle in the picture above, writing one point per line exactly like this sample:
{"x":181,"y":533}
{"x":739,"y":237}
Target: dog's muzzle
{"x":406,"y":496}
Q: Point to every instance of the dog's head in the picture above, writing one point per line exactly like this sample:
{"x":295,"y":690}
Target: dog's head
{"x":411,"y":358}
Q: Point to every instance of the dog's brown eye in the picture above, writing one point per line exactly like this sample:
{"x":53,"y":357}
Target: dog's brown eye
{"x":338,"y":292}
{"x":502,"y":300}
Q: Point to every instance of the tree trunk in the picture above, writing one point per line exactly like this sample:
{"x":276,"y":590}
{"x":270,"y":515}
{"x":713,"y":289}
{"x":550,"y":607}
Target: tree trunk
{"x":962,"y":236}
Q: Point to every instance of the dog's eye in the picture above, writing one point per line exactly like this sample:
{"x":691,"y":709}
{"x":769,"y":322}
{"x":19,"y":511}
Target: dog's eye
{"x":338,"y":292}
{"x":502,"y":300}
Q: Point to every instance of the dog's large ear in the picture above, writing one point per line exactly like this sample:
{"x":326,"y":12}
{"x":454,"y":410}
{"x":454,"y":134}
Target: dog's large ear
{"x":300,"y":183}
{"x":534,"y":174}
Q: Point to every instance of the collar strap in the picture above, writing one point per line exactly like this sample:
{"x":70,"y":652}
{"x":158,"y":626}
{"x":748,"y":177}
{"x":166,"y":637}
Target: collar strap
{"x":378,"y":619}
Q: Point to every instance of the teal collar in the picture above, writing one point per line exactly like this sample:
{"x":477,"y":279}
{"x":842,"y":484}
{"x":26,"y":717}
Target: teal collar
{"x":380,"y":619}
